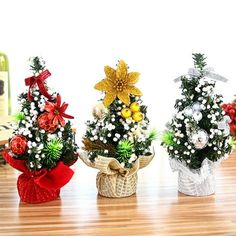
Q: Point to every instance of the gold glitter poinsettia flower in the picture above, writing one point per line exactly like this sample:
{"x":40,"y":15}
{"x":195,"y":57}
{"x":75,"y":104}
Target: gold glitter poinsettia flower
{"x":118,"y":84}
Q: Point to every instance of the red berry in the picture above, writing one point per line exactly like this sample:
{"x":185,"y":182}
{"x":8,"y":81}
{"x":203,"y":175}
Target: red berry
{"x":231,"y":112}
{"x":224,"y":106}
{"x":18,"y":144}
{"x":232,"y":127}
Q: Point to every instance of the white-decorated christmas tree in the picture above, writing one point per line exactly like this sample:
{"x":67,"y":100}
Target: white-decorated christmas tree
{"x":199,"y":129}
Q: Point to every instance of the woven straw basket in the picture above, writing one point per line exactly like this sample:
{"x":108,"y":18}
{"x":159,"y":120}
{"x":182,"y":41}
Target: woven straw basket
{"x":113,"y":180}
{"x":200,"y":182}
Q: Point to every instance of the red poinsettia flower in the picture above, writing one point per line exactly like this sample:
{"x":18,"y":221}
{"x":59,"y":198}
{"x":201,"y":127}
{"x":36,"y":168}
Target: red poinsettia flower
{"x":56,"y":111}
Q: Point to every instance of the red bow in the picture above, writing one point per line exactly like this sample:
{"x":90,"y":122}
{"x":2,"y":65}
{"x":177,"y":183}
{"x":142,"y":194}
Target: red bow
{"x":39,"y":80}
{"x":49,"y":179}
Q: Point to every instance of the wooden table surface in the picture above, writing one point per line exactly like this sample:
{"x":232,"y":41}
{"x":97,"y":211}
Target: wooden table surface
{"x":156,"y":209}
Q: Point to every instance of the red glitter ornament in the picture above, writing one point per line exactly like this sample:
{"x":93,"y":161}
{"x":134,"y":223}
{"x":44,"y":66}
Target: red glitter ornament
{"x":18,"y":144}
{"x":46,"y":123}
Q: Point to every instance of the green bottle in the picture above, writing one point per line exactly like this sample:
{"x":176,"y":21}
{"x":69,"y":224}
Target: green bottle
{"x":5,"y":103}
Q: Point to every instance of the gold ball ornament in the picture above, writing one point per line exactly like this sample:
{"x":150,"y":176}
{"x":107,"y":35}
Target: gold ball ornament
{"x":137,"y":116}
{"x":134,"y":107}
{"x":126,"y":113}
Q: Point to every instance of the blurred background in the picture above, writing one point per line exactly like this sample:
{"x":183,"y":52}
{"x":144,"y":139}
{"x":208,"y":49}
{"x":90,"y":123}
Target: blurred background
{"x":156,"y":38}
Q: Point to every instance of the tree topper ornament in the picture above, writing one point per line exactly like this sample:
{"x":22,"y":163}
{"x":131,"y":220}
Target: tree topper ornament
{"x":118,"y":84}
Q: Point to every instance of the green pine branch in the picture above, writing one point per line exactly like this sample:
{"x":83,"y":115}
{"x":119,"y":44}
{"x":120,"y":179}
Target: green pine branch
{"x":199,"y":60}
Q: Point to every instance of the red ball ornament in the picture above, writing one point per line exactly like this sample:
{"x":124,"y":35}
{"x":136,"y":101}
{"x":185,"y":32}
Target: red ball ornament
{"x":18,"y":144}
{"x":44,"y":122}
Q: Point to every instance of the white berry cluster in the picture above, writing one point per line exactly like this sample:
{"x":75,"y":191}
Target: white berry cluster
{"x":28,"y":127}
{"x":112,"y":128}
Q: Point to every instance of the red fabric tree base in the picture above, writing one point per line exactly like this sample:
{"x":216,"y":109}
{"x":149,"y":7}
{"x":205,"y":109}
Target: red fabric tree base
{"x":39,"y":186}
{"x":31,"y":192}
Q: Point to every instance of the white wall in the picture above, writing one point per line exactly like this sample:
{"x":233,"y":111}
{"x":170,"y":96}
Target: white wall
{"x":77,"y":38}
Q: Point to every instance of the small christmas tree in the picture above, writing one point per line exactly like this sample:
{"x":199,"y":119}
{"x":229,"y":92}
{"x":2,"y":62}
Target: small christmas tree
{"x":120,"y":125}
{"x":117,"y":141}
{"x":43,"y":141}
{"x":199,"y":129}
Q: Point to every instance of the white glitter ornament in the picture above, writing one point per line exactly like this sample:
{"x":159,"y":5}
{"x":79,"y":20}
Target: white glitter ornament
{"x":199,"y":139}
{"x":196,"y":106}
{"x":194,"y":111}
{"x":188,"y":111}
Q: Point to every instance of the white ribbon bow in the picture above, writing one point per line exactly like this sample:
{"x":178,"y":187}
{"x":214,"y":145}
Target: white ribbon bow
{"x":208,"y":72}
{"x":224,"y":125}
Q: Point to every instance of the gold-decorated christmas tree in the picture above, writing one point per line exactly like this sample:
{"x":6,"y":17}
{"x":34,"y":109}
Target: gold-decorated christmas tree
{"x":119,"y":128}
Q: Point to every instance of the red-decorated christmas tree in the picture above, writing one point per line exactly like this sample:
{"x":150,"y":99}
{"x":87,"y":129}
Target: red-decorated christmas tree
{"x":43,"y":145}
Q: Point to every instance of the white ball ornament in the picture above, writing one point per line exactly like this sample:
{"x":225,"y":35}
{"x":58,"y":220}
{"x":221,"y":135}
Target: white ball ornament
{"x":197,"y":116}
{"x":196,"y":106}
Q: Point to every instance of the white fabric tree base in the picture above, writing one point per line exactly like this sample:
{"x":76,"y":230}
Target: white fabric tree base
{"x":192,"y":188}
{"x":199,"y":182}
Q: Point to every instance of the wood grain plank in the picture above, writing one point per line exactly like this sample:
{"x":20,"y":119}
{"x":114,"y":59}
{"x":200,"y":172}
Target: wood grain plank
{"x":156,"y":209}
